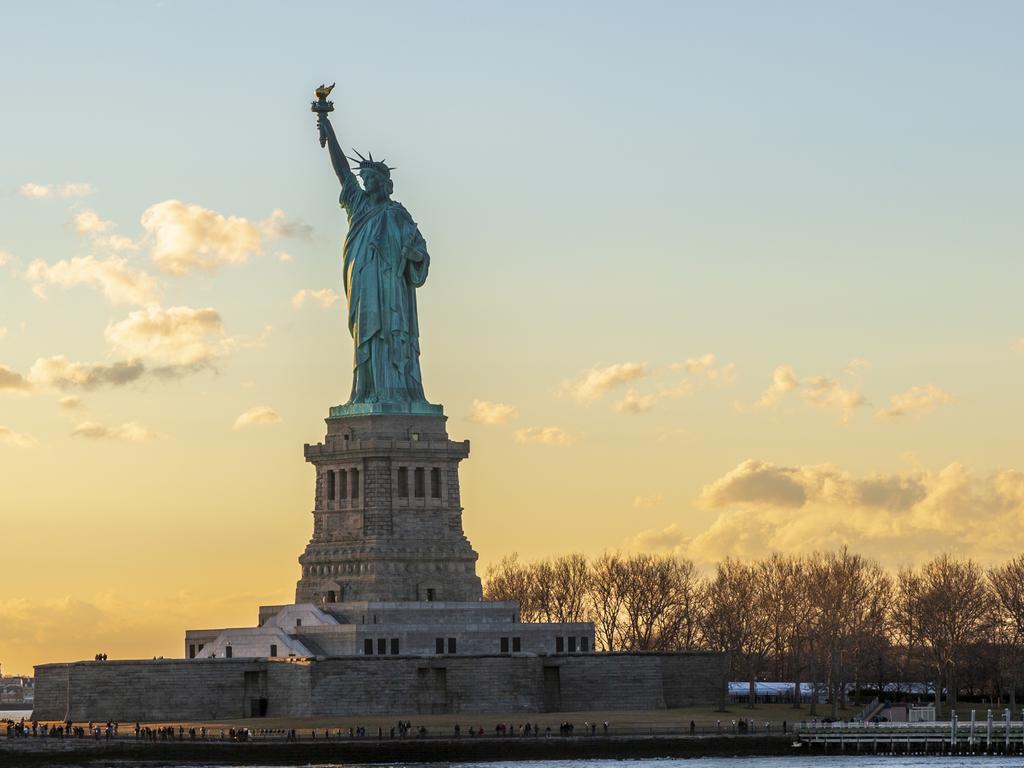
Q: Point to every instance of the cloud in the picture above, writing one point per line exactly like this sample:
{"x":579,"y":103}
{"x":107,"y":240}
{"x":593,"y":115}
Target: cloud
{"x":17,"y":439}
{"x":822,"y":392}
{"x":595,"y":383}
{"x":484,"y":412}
{"x":278,"y":225}
{"x":186,"y":237}
{"x":634,"y":402}
{"x":88,"y":222}
{"x":705,"y":367}
{"x":325,"y":297}
{"x":12,"y":381}
{"x":260,"y":414}
{"x":784,"y":380}
{"x":6,"y":257}
{"x":855,"y":366}
{"x":817,"y":391}
{"x":61,"y":373}
{"x":646,"y":502}
{"x":3,"y":331}
{"x":120,"y":283}
{"x":45,"y":191}
{"x":915,"y":401}
{"x":70,"y":403}
{"x":898,"y":517}
{"x":284,"y":257}
{"x":176,"y":336}
{"x":543,"y":435}
{"x":130,"y":432}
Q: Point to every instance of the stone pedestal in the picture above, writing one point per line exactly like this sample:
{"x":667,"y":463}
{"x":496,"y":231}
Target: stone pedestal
{"x":387,"y":519}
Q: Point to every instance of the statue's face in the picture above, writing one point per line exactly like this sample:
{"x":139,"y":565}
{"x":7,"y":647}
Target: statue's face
{"x":372,"y":183}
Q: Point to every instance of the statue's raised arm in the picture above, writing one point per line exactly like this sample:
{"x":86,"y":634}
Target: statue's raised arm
{"x":338,"y":159}
{"x":322,"y":107}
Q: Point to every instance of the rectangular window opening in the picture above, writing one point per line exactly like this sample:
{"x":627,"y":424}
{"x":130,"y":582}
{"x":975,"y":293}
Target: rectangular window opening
{"x":343,"y":483}
{"x":572,"y":645}
{"x":504,"y":645}
{"x":227,"y":651}
{"x":192,"y":651}
{"x":517,"y":645}
{"x":435,"y":483}
{"x":273,"y":650}
{"x":559,"y":644}
{"x":403,"y":482}
{"x":451,"y":645}
{"x":585,"y":644}
{"x":355,"y":483}
{"x":394,"y":646}
{"x":368,"y":647}
{"x":439,"y":645}
{"x":418,"y":482}
{"x":330,"y":485}
{"x":382,"y":646}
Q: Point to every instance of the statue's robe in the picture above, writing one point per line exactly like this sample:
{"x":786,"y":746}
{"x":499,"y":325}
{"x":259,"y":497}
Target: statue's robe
{"x":384,"y":260}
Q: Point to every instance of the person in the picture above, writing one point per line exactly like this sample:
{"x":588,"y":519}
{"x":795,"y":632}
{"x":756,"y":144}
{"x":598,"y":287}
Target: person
{"x":693,"y":727}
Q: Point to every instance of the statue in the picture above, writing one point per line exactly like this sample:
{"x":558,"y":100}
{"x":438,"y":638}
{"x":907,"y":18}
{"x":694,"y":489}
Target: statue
{"x":384,"y":261}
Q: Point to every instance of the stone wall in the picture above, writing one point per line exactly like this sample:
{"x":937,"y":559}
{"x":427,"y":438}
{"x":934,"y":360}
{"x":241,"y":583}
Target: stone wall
{"x":170,"y":689}
{"x":230,"y":688}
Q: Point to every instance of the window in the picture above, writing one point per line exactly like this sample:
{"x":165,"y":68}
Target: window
{"x":368,"y":647}
{"x":273,"y":650}
{"x":585,"y":644}
{"x":451,"y":645}
{"x":227,"y":651}
{"x":331,"y":598}
{"x":504,"y":645}
{"x":342,"y":484}
{"x":435,"y":483}
{"x":382,"y":646}
{"x":394,"y":646}
{"x":403,"y":482}
{"x":201,"y":646}
{"x":572,"y":645}
{"x":418,"y":482}
{"x":298,"y":622}
{"x":439,"y":645}
{"x":330,"y":485}
{"x":430,"y":594}
{"x":517,"y":646}
{"x":559,"y":644}
{"x":192,"y":651}
{"x":355,"y":483}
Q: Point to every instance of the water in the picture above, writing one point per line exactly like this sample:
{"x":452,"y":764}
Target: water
{"x":720,"y":762}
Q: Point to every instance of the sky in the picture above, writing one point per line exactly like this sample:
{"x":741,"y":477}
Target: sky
{"x":707,"y":279}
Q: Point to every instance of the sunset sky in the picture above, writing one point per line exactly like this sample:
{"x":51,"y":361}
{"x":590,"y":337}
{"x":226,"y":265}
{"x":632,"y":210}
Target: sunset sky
{"x":713,"y":279}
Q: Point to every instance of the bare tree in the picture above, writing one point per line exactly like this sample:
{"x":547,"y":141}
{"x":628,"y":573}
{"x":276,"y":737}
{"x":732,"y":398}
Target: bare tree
{"x":560,"y":588}
{"x":659,"y":603}
{"x":606,"y":596}
{"x":1008,"y":588}
{"x":735,"y":620}
{"x":955,"y":609}
{"x":510,"y":580}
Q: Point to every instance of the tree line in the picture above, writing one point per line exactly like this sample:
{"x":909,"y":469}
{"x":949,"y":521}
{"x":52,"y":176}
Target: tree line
{"x":835,"y":619}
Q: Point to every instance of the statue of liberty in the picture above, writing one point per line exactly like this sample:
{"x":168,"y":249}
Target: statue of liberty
{"x":384,"y":261}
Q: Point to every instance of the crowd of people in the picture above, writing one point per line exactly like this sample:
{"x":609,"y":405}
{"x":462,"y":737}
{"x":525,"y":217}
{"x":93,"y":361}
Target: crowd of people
{"x":402,"y":729}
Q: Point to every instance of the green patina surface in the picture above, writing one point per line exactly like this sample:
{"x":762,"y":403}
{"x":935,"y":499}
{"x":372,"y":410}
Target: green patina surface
{"x":367,"y":409}
{"x":384,"y":261}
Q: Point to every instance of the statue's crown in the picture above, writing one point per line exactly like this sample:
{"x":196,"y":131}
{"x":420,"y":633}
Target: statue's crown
{"x":368,"y":163}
